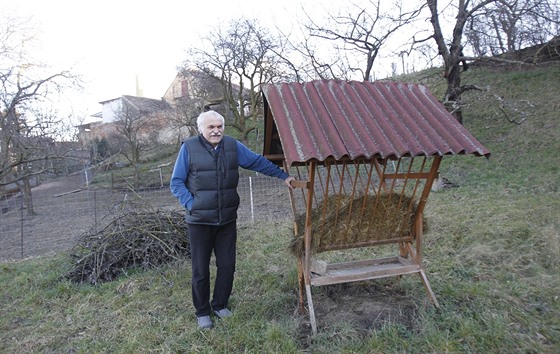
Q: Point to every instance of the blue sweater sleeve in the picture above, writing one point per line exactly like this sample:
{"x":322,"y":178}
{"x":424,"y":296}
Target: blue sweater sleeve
{"x":179,"y":179}
{"x":246,"y":159}
{"x":258,"y":163}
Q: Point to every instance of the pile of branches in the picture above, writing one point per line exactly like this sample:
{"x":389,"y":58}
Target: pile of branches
{"x":133,"y":239}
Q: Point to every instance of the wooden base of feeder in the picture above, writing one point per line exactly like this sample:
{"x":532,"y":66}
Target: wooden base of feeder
{"x":365,"y":270}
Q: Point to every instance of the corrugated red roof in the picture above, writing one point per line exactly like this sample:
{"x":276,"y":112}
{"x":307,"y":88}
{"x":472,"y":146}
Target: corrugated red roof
{"x":332,"y":118}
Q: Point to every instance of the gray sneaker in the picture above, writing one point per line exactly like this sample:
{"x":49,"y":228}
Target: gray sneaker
{"x":204,"y":322}
{"x":223,"y":313}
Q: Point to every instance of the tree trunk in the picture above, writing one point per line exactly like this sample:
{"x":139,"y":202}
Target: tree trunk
{"x":136,"y":182}
{"x":451,"y":56}
{"x":25,"y":187}
{"x":453,"y":94}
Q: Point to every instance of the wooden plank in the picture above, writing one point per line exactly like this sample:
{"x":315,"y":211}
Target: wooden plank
{"x":334,"y":247}
{"x":66,"y":193}
{"x":365,"y":270}
{"x":300,"y":184}
{"x":311,"y":309}
{"x":274,"y":157}
{"x":308,"y":224}
{"x":428,"y":288}
{"x":366,"y":263}
{"x":412,"y":175}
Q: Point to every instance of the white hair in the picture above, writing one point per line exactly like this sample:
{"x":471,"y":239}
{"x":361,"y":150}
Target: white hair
{"x":202,"y":117}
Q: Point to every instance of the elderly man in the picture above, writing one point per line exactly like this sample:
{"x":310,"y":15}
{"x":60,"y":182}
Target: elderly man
{"x":204,"y":180}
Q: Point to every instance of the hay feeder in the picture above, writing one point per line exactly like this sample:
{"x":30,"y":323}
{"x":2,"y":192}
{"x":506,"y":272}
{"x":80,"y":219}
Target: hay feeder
{"x":366,"y":156}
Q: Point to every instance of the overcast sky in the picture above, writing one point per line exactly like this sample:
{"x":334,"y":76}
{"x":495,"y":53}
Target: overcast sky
{"x":111,"y":42}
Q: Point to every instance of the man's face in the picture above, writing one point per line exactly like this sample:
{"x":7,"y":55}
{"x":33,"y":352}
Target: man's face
{"x":213,"y":130}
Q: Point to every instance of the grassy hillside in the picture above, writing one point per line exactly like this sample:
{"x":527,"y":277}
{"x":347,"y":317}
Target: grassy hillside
{"x":492,"y":256}
{"x":516,"y":115}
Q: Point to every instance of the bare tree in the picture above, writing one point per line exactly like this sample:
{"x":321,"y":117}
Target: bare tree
{"x":452,"y":55}
{"x":136,"y":130}
{"x":452,"y":48}
{"x":28,"y":123}
{"x":509,"y":26}
{"x":242,"y":57}
{"x":357,"y":37}
{"x":186,"y":111}
{"x":199,"y":92}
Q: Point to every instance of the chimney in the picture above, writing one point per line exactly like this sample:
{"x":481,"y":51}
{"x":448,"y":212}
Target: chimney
{"x":139,"y":92}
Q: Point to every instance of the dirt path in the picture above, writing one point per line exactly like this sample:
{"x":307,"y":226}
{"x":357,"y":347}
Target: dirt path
{"x":59,"y":186}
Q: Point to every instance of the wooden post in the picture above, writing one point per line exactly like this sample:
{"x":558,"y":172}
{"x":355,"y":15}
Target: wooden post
{"x":307,"y":245}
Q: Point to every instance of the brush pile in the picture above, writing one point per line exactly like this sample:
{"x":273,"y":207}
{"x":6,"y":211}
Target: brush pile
{"x":133,"y":239}
{"x":343,"y":223}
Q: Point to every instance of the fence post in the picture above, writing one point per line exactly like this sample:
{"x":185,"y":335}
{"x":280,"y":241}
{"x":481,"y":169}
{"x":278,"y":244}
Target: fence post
{"x":95,"y":210}
{"x":251,"y":197}
{"x":87,"y":178}
{"x":21,"y":221}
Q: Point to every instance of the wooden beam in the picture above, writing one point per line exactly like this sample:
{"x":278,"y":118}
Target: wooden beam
{"x":300,"y":184}
{"x":365,"y":270}
{"x":274,"y":157}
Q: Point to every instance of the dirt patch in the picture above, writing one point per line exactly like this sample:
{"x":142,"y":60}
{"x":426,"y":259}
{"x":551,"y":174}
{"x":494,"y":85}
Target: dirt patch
{"x":369,"y":305}
{"x":361,"y":306}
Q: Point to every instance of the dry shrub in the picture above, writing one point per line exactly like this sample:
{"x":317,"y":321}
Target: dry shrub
{"x":132,"y":239}
{"x":347,"y":223}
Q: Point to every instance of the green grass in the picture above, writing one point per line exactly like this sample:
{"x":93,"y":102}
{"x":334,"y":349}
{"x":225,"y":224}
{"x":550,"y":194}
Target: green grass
{"x":491,"y":254}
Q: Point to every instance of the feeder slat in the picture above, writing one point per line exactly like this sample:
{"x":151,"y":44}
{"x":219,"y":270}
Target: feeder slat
{"x":365,"y":270}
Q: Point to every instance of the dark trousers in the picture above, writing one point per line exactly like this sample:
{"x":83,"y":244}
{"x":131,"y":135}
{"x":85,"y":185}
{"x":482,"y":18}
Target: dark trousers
{"x":203,"y":240}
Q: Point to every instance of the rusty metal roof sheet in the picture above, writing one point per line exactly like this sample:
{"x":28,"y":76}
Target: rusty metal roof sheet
{"x":350,"y":119}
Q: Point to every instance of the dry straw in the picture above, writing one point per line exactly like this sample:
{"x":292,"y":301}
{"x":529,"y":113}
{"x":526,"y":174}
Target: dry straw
{"x":342,"y":222}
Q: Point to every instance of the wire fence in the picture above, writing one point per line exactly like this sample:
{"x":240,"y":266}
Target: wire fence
{"x":61,"y":218}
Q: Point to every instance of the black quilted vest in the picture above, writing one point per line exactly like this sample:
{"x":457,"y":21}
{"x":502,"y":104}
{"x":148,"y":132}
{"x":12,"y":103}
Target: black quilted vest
{"x":212,"y":179}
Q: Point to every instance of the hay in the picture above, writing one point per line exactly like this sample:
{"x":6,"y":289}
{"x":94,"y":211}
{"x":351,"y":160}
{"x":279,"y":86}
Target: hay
{"x":349,"y":223}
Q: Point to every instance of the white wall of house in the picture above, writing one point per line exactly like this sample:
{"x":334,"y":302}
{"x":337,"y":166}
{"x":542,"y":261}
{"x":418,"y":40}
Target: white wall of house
{"x":109,"y":109}
{"x":169,"y":135}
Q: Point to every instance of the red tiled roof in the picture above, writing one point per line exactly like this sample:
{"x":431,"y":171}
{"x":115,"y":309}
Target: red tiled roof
{"x":340,"y":119}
